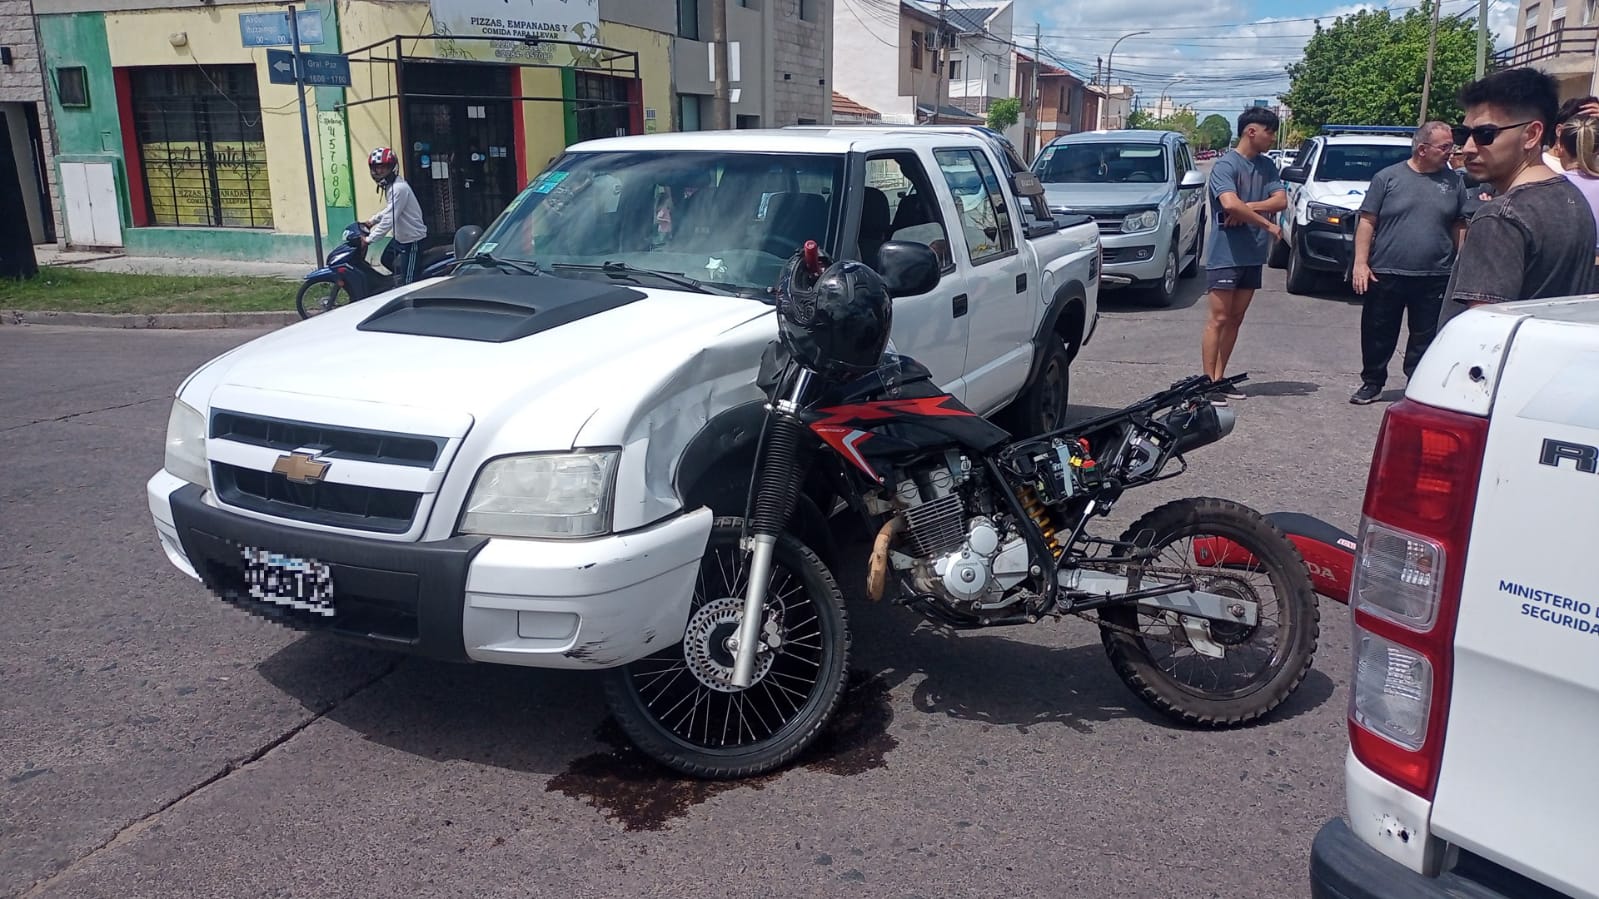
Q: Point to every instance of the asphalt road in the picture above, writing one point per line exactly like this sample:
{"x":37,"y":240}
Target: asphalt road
{"x":156,"y":743}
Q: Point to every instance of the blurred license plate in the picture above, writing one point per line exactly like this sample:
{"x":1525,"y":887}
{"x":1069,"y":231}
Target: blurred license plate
{"x":304,"y":584}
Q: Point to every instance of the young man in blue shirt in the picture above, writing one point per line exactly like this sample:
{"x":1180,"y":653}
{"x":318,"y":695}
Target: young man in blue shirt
{"x":1245,"y":194}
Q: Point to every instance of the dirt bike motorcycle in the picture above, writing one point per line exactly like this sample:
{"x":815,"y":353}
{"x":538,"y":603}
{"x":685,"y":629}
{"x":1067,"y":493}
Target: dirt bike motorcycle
{"x":1206,"y":610}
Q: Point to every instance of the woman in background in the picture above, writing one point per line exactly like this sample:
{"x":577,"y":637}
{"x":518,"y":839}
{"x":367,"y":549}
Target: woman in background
{"x":1578,"y":143}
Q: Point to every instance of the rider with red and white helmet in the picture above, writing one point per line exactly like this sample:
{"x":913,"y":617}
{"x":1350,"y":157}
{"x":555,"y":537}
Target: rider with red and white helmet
{"x":401,"y":214}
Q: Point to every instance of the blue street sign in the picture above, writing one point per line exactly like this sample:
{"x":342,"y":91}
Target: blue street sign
{"x":325,"y":69}
{"x":271,"y":29}
{"x":316,"y":69}
{"x":280,"y":67}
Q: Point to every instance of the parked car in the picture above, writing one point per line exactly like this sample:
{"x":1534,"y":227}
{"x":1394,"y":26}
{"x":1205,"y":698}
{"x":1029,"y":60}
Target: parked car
{"x":1326,"y":185}
{"x":521,"y":464}
{"x":1474,"y":719}
{"x":1142,"y":189}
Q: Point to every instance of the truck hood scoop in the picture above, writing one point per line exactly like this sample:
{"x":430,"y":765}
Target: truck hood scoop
{"x":496,"y":308}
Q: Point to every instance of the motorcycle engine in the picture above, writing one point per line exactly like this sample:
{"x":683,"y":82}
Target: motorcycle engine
{"x":963,"y":552}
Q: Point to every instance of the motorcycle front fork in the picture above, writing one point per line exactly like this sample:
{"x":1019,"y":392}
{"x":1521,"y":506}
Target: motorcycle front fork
{"x":777,"y":483}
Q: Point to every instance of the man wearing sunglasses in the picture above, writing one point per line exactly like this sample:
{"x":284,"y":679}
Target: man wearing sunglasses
{"x":1410,"y":226}
{"x":1535,"y":238}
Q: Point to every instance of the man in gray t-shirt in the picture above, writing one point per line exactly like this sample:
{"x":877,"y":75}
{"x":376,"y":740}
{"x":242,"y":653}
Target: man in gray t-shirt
{"x":1411,"y":224}
{"x":1245,"y":195}
{"x":1535,"y":238}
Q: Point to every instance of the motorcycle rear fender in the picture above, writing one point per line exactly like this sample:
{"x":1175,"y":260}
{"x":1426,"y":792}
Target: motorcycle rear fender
{"x":326,"y":273}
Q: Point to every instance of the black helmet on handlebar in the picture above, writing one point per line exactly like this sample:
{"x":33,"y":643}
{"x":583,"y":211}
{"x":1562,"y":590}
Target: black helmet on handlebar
{"x":834,"y":319}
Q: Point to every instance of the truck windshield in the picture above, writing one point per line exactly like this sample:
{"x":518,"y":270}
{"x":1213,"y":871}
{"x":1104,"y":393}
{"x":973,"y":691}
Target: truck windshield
{"x":726,"y":219}
{"x":1101,"y":163}
{"x":1356,"y":163}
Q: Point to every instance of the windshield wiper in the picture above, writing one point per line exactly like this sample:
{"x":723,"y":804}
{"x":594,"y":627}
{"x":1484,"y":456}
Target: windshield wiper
{"x":496,"y":262}
{"x":623,"y":271}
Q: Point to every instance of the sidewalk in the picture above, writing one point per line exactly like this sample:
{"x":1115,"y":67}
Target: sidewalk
{"x":112,"y":261}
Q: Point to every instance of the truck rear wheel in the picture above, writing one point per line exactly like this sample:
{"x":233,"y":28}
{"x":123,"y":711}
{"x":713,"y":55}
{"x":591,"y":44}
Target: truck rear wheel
{"x":679,"y":706}
{"x":1042,"y":407}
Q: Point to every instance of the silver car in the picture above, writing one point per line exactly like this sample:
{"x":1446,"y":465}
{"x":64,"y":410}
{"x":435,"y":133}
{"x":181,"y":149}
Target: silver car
{"x":1144,"y":191}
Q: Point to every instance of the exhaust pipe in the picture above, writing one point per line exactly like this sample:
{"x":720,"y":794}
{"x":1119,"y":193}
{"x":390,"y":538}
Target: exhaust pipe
{"x":877,"y":566}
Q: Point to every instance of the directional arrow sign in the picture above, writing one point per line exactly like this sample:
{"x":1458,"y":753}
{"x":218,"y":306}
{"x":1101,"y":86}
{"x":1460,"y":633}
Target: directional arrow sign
{"x":280,"y":66}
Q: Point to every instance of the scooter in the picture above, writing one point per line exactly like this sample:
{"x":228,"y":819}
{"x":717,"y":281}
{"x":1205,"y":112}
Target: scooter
{"x":348,"y":276}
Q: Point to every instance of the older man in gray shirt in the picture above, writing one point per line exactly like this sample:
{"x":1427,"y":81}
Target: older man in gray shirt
{"x":1411,"y":224}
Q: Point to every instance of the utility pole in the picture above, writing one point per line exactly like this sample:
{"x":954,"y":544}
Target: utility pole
{"x":305,"y":133}
{"x":938,"y":60}
{"x":721,"y":107}
{"x":1482,"y":37}
{"x":1432,"y":51}
{"x":1037,"y":142}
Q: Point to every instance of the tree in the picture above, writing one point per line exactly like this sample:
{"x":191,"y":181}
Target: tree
{"x":1139,"y":120}
{"x":1004,"y":113}
{"x":1214,"y":133}
{"x":1367,"y":69}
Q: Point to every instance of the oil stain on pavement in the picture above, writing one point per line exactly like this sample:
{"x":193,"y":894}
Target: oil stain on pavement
{"x":640,"y":794}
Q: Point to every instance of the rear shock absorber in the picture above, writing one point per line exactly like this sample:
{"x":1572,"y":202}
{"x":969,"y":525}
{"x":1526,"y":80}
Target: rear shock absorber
{"x":1037,"y":511}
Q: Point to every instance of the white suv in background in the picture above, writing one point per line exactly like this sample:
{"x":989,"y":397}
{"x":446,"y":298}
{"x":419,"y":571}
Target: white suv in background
{"x":1326,"y":185}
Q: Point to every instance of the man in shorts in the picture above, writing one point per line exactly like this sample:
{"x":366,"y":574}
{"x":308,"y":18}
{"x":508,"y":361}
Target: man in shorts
{"x":1245,"y":195}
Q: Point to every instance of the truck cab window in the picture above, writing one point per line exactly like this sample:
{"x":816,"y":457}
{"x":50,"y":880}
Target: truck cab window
{"x":985,"y":218}
{"x":899,"y":204}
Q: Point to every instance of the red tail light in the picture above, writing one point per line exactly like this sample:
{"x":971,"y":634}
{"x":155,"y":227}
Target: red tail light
{"x":1420,"y":496}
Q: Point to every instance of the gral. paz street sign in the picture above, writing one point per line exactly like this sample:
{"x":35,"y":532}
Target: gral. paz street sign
{"x":271,"y":29}
{"x":316,"y":69}
{"x":324,"y":69}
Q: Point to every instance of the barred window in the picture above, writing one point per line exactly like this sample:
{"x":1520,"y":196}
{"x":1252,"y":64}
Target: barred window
{"x":201,"y":146}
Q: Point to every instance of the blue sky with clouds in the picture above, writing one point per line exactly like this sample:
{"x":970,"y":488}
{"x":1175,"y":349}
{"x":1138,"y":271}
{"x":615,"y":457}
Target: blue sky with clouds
{"x":1216,"y":55}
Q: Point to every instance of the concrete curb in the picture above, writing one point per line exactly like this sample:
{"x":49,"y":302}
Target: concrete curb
{"x":162,"y":320}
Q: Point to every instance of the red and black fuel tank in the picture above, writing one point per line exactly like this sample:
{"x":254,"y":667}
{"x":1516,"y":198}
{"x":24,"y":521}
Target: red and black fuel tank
{"x":898,"y":412}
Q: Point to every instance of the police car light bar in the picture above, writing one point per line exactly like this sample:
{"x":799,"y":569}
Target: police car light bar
{"x":1405,"y":130}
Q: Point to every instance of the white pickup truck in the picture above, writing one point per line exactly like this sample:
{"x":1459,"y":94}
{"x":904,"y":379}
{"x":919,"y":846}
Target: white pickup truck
{"x":1474,"y":723}
{"x":520,"y":464}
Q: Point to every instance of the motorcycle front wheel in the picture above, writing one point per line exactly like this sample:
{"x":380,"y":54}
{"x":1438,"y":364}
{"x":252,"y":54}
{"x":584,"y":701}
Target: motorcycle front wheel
{"x":1229,"y":549}
{"x":679,"y":706}
{"x":317,"y":297}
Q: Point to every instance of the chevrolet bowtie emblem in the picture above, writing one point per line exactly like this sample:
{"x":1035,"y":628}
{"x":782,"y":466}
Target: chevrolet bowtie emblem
{"x":300,"y":468}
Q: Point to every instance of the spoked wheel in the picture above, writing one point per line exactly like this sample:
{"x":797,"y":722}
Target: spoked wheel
{"x":317,"y":297}
{"x":679,"y":706}
{"x":1213,"y":673}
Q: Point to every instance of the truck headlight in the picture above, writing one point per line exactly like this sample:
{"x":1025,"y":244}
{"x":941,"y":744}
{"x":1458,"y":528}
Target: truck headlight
{"x":1148,"y":220}
{"x":1331,"y":215}
{"x":549,"y":495}
{"x":186,"y":445}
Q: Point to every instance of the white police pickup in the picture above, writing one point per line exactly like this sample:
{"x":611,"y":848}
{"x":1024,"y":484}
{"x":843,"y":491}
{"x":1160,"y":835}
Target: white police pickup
{"x":1473,"y":768}
{"x":520,"y":464}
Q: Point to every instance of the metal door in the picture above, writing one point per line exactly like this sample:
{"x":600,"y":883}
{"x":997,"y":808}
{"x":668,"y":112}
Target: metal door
{"x":460,"y":153}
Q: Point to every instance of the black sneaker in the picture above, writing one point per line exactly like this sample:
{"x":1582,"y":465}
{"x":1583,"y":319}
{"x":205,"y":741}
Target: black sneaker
{"x":1218,"y":399}
{"x":1366,"y":395}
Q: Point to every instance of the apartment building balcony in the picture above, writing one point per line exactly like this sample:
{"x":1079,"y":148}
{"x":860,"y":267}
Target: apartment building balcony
{"x":1562,"y":51}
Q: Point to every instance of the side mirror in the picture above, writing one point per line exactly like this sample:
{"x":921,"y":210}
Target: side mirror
{"x":1027,"y":184}
{"x":1294,"y":173}
{"x":1191,"y":179}
{"x":908,"y":268}
{"x":465,"y":239}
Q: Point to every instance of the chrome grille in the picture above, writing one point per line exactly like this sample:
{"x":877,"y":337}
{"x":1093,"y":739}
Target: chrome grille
{"x":334,"y":442}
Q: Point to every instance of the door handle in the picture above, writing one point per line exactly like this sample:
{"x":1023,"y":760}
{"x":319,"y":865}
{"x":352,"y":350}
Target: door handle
{"x":1021,"y":282}
{"x":960,"y":305}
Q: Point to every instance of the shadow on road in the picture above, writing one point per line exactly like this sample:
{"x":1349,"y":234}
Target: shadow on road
{"x":1280,"y":388}
{"x":1133,"y":300}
